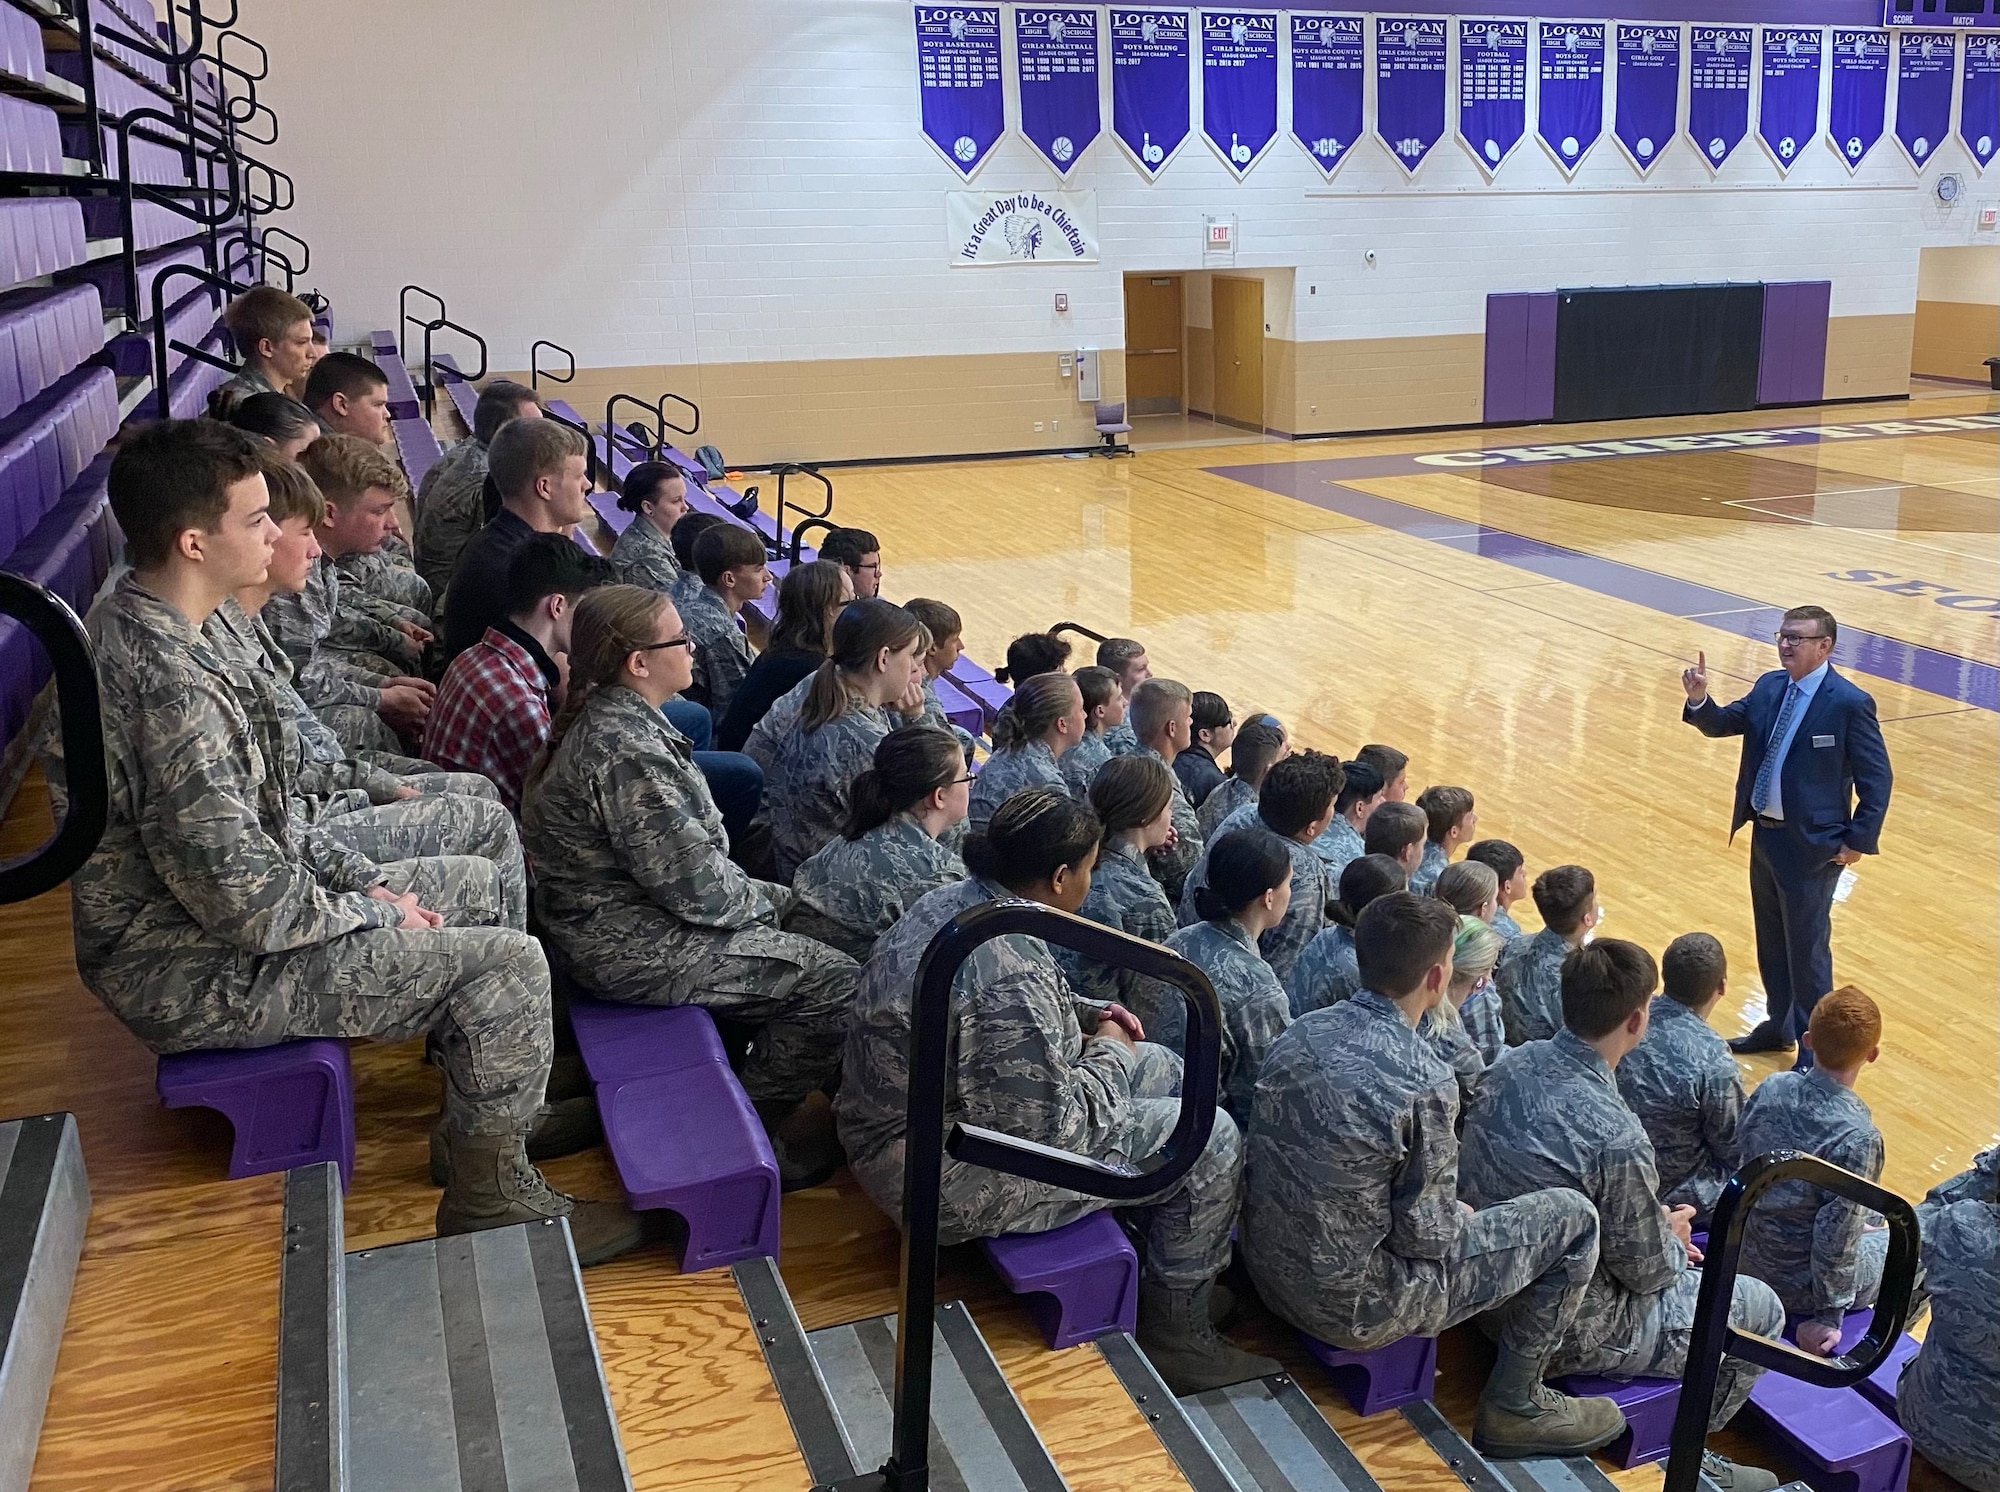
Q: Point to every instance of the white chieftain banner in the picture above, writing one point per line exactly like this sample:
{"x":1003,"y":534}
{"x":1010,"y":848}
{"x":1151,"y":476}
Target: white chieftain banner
{"x":1021,"y":227}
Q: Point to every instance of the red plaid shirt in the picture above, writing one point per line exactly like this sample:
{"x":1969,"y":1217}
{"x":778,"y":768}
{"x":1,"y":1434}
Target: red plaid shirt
{"x":491,"y":715}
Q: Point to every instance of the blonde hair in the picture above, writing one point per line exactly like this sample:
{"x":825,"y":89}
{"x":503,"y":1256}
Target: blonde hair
{"x":343,"y":467}
{"x":611,"y":623}
{"x":1032,"y":711}
{"x":1154,"y":703}
{"x":293,"y":494}
{"x":1475,"y":949}
{"x":862,"y":630}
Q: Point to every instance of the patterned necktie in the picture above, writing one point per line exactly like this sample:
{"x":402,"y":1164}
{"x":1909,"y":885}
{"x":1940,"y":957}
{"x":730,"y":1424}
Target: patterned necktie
{"x":1767,"y":772}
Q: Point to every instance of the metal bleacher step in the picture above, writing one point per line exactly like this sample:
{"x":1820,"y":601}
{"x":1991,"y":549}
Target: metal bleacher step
{"x":44,"y":1205}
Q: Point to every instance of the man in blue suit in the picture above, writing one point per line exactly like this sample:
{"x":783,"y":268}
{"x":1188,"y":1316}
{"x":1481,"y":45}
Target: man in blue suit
{"x":1814,"y":780}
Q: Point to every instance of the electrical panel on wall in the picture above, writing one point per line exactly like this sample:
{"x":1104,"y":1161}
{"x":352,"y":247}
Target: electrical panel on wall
{"x":1941,"y":13}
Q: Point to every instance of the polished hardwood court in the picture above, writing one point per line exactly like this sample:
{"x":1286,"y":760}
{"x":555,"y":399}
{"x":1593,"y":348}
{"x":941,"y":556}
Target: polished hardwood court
{"x":1516,"y":628}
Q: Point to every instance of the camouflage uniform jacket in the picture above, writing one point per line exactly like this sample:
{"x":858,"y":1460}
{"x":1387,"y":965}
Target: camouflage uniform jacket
{"x":451,"y":508}
{"x":1006,"y":773}
{"x":1352,"y":1203}
{"x":862,"y":886}
{"x":1947,"y":1394}
{"x":1424,"y":879}
{"x":1019,"y":1062}
{"x":302,"y":626}
{"x":198,"y":874}
{"x":1326,"y":973}
{"x":1171,"y":867}
{"x":1549,"y":1114}
{"x":642,"y":556}
{"x":379,"y":576}
{"x":1683,"y":1084}
{"x":1232,"y":794}
{"x":1339,"y":845}
{"x":1282,"y":945}
{"x":1079,"y":764}
{"x":1505,"y":925}
{"x":721,"y":651}
{"x":1799,"y":1240}
{"x":686,"y":584}
{"x":1445,"y":1030}
{"x":1124,"y":895}
{"x":769,"y":733}
{"x":1122,"y":740}
{"x":1529,"y":978}
{"x":805,"y":795}
{"x":1254,"y":1012}
{"x":1483,"y":1023}
{"x":1243,"y":816}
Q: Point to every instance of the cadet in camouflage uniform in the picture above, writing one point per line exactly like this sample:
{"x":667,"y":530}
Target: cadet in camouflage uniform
{"x":1040,"y":724}
{"x":1233,"y":793}
{"x":1352,"y":1227}
{"x":1327,"y":970}
{"x":342,"y":689}
{"x":1529,"y":976}
{"x":1948,"y":1392}
{"x":1131,"y":797}
{"x":854,"y":890}
{"x":735,"y":558}
{"x":381,"y":577}
{"x":1022,"y":1064}
{"x":643,"y":556}
{"x":1483,"y":1023}
{"x":1682,"y":1082}
{"x":1549,"y":1114}
{"x":1079,"y":764}
{"x":451,"y":500}
{"x":1005,"y":773}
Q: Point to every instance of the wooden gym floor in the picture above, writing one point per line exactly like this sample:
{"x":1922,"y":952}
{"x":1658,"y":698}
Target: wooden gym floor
{"x":1516,"y":627}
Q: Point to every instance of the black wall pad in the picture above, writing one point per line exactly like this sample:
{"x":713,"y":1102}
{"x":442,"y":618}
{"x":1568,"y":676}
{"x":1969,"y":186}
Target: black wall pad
{"x":1676,"y":349}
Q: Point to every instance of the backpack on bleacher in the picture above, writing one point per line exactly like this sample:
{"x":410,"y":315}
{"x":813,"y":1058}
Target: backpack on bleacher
{"x":711,"y":462}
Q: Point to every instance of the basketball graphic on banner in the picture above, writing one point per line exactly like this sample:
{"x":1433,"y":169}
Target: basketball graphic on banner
{"x":1062,"y":148}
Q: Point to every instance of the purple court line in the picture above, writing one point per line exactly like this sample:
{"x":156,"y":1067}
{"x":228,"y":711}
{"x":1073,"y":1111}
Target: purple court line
{"x":1947,"y":674}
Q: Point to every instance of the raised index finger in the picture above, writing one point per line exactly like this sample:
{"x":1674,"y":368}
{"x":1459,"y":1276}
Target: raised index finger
{"x":1701,"y":660}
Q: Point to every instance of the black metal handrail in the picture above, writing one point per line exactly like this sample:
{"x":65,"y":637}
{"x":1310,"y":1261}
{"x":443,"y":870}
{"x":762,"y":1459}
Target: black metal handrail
{"x":821,"y":519}
{"x":87,"y":805}
{"x":925,"y":1141}
{"x":536,"y":370}
{"x":805,"y":526}
{"x":432,"y":367}
{"x":163,"y":343}
{"x":1713,"y":1335}
{"x":1077,"y":627}
{"x":270,"y":203}
{"x":192,"y":137}
{"x":615,"y":437}
{"x":404,"y":319}
{"x":173,"y":56}
{"x":693,"y":408}
{"x":242,"y":123}
{"x":305,"y":249}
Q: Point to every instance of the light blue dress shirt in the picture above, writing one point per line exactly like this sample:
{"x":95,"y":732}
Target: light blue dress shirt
{"x":1807,"y":687}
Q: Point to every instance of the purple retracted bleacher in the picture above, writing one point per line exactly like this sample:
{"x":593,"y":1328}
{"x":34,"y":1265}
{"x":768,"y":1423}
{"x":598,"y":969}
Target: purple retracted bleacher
{"x":38,"y":236}
{"x":44,"y":334}
{"x":30,"y":137}
{"x":47,"y":443}
{"x":21,"y":51}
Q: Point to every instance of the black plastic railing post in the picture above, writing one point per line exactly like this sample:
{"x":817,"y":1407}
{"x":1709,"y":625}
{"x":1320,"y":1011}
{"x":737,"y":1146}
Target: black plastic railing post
{"x":536,"y":370}
{"x":404,"y":318}
{"x":809,"y":525}
{"x":88,"y":805}
{"x":1713,"y":1335}
{"x":1077,"y":627}
{"x":612,"y":435}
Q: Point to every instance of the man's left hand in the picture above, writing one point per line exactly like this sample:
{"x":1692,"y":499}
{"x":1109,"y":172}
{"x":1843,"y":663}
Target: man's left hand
{"x":1846,"y":855}
{"x":1124,"y":1019}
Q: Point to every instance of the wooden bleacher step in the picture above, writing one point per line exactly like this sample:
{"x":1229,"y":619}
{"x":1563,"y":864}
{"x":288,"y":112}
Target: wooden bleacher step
{"x":44,"y":1205}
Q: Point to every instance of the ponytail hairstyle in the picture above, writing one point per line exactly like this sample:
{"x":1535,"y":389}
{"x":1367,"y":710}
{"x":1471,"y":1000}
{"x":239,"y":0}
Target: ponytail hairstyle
{"x":276,"y":417}
{"x":1475,"y":949}
{"x":1256,"y":746}
{"x":610,"y":623}
{"x":806,"y":594}
{"x":1033,"y":710}
{"x":1031,"y":836}
{"x":1363,"y":881}
{"x":642,"y":482}
{"x":862,"y":630}
{"x":1128,"y":792}
{"x":910,"y":765}
{"x":1467,"y":886}
{"x":1032,"y":653}
{"x":1242,"y":866}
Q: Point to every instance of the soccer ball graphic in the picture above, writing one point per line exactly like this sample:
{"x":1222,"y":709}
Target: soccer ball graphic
{"x":1854,"y":148}
{"x":1788,"y":147}
{"x":965,"y":148}
{"x":1062,"y":147}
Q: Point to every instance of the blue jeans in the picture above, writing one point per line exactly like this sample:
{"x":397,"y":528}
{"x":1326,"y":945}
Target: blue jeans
{"x":734,"y":780}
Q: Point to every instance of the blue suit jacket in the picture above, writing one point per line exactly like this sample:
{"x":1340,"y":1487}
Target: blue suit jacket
{"x":1835,"y":780}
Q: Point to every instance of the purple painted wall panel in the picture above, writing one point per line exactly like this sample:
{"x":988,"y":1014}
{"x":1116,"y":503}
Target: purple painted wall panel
{"x":1791,"y":363}
{"x":1539,"y":379}
{"x":1520,"y":357}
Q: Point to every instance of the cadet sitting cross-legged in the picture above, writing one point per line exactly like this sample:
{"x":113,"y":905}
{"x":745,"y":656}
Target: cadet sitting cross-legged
{"x":1032,"y":733}
{"x":199,"y":920}
{"x":1352,"y":1225}
{"x":1132,"y":796}
{"x":634,"y":883}
{"x":1327,"y":970}
{"x":889,"y":853}
{"x":1029,"y":1058}
{"x":1549,"y":1114}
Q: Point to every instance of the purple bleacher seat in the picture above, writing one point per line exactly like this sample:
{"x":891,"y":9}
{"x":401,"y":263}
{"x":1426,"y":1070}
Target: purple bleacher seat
{"x":403,"y":402}
{"x":979,"y":686}
{"x":1844,"y":1443}
{"x":1879,"y":1387}
{"x":291,"y":1104}
{"x":417,"y":446}
{"x":605,"y":505}
{"x":1649,"y":1405}
{"x":1402,"y":1372}
{"x":960,"y":708}
{"x":1081,"y":1280}
{"x":43,"y":335}
{"x":680,"y":1128}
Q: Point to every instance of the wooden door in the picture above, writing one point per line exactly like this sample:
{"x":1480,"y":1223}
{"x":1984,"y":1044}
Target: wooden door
{"x":1239,"y":351}
{"x":1153,"y":344}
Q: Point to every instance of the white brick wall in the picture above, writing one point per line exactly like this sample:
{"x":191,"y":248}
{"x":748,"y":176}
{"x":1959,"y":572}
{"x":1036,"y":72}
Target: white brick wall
{"x":687,"y":181}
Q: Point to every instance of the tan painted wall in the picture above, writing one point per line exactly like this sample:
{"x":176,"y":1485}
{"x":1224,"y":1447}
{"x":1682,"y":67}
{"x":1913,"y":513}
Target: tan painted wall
{"x":1386,"y":383}
{"x":1954,"y":339}
{"x":1868,"y":356}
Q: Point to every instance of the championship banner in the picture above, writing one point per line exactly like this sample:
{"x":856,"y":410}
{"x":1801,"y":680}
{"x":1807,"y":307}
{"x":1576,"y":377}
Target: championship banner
{"x":1979,"y":98}
{"x":1925,"y":62}
{"x":1492,"y":89}
{"x":1859,"y":98}
{"x":1239,"y":84}
{"x":1649,"y":91}
{"x":1569,"y":73}
{"x":1409,"y":86}
{"x":1329,"y":59}
{"x":1718,"y":90}
{"x":1149,"y":85}
{"x":1055,"y":54}
{"x":1788,"y":112}
{"x":958,"y":80}
{"x":1021,"y":227}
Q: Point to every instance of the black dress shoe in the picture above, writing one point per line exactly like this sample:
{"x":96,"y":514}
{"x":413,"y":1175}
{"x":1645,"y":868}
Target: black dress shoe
{"x":1765,"y":1037}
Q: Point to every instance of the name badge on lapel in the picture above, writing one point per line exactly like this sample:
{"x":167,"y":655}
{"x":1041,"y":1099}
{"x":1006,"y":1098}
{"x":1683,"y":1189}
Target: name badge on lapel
{"x":1822,"y":740}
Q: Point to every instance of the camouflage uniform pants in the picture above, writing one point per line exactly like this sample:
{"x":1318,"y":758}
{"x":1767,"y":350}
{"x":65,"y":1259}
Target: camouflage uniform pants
{"x":359,"y":727}
{"x":442,"y":824}
{"x":428,"y":777}
{"x":1660,"y":1347}
{"x":1522,"y":1267}
{"x":482,"y":991}
{"x":1185,"y":1228}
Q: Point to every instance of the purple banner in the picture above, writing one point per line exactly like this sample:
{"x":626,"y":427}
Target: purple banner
{"x":1055,"y":52}
{"x":958,"y":80}
{"x":1329,"y":59}
{"x":1788,"y":113}
{"x":1409,"y":86}
{"x":1239,"y":84}
{"x":1979,"y":98}
{"x":1649,"y":91}
{"x":1925,"y":62}
{"x":1492,"y":89}
{"x":1859,"y":99}
{"x":1718,"y":90}
{"x":1149,"y":84}
{"x":1569,"y":111}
